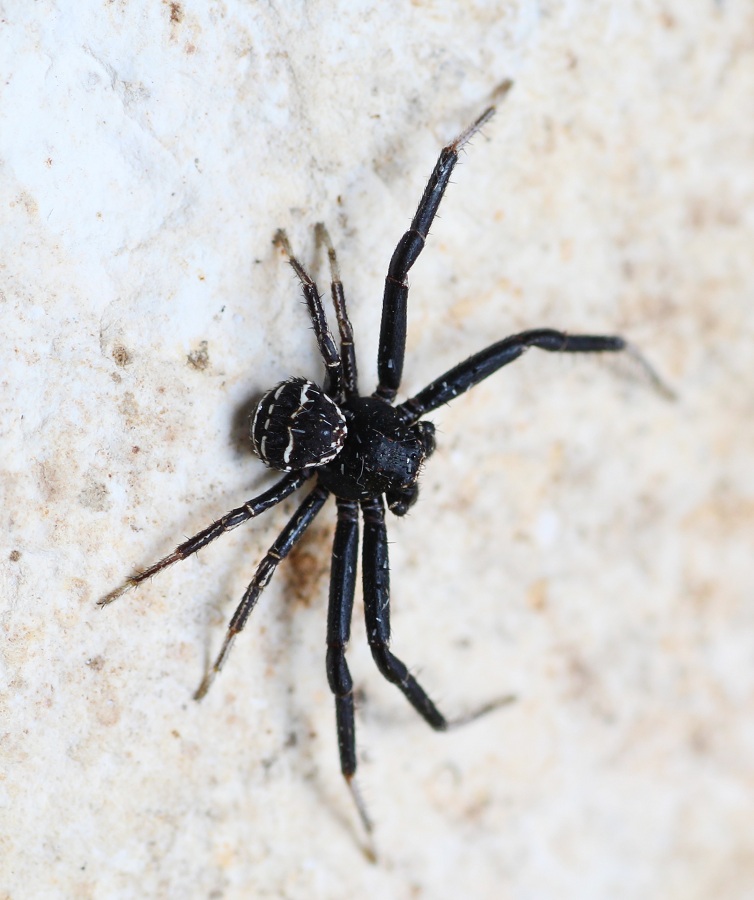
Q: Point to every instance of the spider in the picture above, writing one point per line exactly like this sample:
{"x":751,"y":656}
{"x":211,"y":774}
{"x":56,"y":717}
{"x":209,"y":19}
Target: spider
{"x":366,"y":452}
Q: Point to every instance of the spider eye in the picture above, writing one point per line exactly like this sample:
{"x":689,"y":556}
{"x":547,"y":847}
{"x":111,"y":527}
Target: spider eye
{"x":297,"y":426}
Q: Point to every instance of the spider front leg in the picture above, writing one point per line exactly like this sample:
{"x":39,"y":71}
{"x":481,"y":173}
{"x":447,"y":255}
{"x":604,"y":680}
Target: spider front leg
{"x":282,"y":546}
{"x":392,"y":346}
{"x":481,"y":365}
{"x":342,"y":587}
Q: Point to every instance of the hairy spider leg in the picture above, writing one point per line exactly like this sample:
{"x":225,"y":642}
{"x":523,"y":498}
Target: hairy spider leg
{"x":342,"y":586}
{"x":252,"y":508}
{"x":317,"y":315}
{"x":481,"y":365}
{"x":392,"y":346}
{"x":347,"y":351}
{"x":281,"y":547}
{"x":376,"y":579}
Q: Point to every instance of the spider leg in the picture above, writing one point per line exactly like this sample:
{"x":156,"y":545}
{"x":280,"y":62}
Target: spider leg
{"x":317,"y":315}
{"x":282,"y":546}
{"x":342,"y":586}
{"x":228,"y":522}
{"x":392,"y":344}
{"x":481,"y":365}
{"x":347,"y":351}
{"x":376,"y":575}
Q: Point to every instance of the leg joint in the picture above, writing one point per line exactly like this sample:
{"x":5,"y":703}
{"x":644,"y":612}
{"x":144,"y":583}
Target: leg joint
{"x":390,"y":666}
{"x":338,"y":676}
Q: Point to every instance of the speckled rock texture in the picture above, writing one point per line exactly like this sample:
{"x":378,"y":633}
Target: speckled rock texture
{"x":580,"y":541}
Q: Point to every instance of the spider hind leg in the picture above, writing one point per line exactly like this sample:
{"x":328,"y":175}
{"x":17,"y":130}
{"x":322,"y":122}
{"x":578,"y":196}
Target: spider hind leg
{"x":317,"y":315}
{"x":252,"y":508}
{"x":281,"y":547}
{"x":347,"y":351}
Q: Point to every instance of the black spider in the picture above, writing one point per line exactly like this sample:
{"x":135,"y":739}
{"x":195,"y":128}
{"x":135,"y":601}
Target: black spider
{"x":362,"y":449}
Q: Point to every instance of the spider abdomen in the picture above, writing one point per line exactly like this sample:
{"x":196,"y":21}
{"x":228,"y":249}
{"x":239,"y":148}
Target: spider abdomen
{"x":380,"y":453}
{"x":297,"y":426}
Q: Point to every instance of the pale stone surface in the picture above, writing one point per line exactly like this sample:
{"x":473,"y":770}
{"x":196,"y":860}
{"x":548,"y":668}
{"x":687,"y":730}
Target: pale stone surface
{"x":580,"y":541}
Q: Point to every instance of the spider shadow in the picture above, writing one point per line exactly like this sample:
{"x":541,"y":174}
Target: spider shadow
{"x":219,"y":603}
{"x":240,"y":425}
{"x":223,"y":597}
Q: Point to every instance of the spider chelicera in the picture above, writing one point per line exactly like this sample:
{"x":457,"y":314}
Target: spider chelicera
{"x":367,"y":453}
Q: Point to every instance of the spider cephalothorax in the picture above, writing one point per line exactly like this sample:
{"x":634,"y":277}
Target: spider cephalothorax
{"x":381,"y":455}
{"x":364,"y":451}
